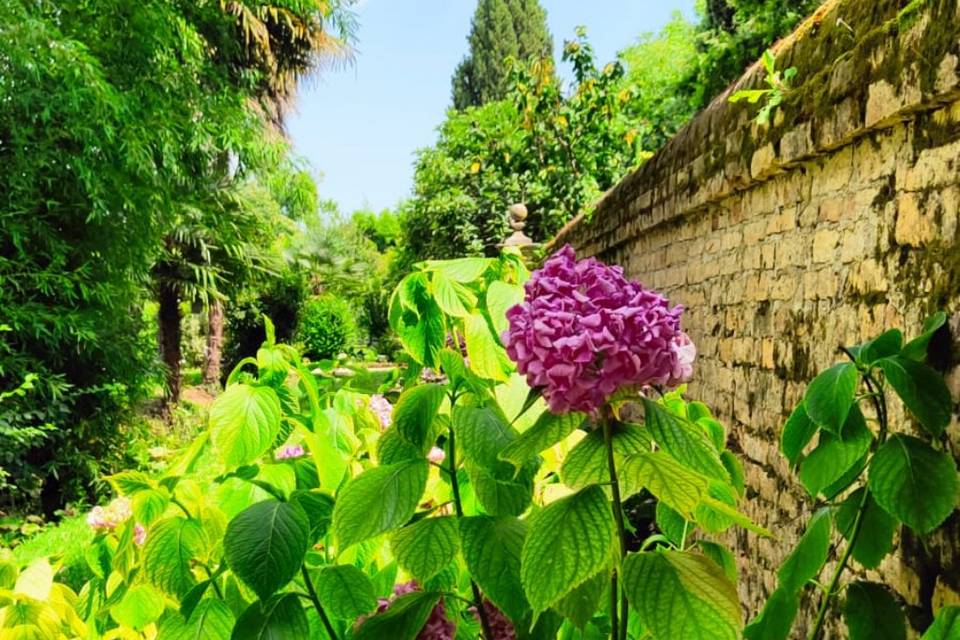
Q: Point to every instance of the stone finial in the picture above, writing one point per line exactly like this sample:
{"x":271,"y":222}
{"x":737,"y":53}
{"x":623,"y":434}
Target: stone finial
{"x":518,"y":217}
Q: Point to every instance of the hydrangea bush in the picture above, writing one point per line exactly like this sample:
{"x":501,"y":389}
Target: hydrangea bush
{"x":490,"y":498}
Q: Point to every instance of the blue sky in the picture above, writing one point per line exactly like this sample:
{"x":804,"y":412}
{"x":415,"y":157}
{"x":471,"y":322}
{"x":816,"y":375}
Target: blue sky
{"x":358,"y":127}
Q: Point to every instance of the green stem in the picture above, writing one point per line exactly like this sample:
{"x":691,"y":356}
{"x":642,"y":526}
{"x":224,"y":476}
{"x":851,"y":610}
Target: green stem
{"x":316,"y":603}
{"x":615,"y":632}
{"x":458,"y":505}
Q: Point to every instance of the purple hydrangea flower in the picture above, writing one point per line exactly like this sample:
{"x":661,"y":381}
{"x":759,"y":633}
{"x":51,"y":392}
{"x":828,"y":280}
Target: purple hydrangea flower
{"x":438,"y":625}
{"x":584,"y":331}
{"x":289,"y":452}
{"x":500,"y":626}
{"x":381,"y":408}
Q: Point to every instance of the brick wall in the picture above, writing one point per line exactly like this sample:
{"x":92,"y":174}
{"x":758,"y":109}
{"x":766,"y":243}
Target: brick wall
{"x":833,"y":223}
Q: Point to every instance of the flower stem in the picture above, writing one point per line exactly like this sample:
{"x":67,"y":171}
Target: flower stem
{"x":316,"y":604}
{"x":458,"y":505}
{"x":615,"y":632}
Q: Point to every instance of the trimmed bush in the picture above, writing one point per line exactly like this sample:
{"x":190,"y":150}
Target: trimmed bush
{"x":327,"y":327}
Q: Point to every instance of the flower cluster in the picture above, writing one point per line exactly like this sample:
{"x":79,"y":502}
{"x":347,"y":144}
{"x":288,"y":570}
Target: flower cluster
{"x":139,"y":535}
{"x":289,"y":452}
{"x":500,"y":626}
{"x":436,"y":455}
{"x":381,"y":408}
{"x":108,"y":518}
{"x":584,"y":331}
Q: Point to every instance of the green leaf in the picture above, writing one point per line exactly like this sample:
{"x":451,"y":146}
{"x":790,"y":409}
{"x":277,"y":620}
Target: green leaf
{"x":427,"y":546}
{"x":487,"y":357}
{"x":914,"y":483}
{"x":500,"y":297}
{"x":378,"y":500}
{"x":169,"y":552}
{"x":414,"y":413}
{"x":492,"y":549}
{"x":682,"y":596}
{"x":36,"y":580}
{"x":730,"y":514}
{"x":922,"y":390}
{"x":580,"y":604}
{"x":946,"y":625}
{"x":683,"y":440}
{"x":447,"y":297}
{"x":319,"y":509}
{"x":548,"y":430}
{"x":210,"y":620}
{"x":808,"y":557}
{"x":280,"y":617}
{"x":776,"y":618}
{"x":875,"y":540}
{"x":830,"y":396}
{"x":460,"y":269}
{"x":402,"y":620}
{"x":586,"y":463}
{"x":797,"y":433}
{"x":668,"y":480}
{"x":722,"y":556}
{"x":871,"y":613}
{"x":567,"y":542}
{"x":141,"y":605}
{"x":834,"y":455}
{"x":672,"y":524}
{"x":886,"y":344}
{"x":127,"y":483}
{"x":244,"y":422}
{"x":265,"y":544}
{"x":345,"y":591}
{"x":735,"y":469}
{"x":501,"y":492}
{"x":916,"y":349}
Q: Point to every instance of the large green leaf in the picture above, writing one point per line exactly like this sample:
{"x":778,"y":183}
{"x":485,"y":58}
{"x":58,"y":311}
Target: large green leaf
{"x":922,"y":390}
{"x":345,"y":591}
{"x":402,"y":620}
{"x":682,"y":596}
{"x":414,"y":413}
{"x":244,"y":422}
{"x":797,"y":433}
{"x":835,"y":455}
{"x":877,"y":527}
{"x":427,"y":546}
{"x":669,"y":481}
{"x":914,"y":482}
{"x":776,"y":618}
{"x":567,"y":542}
{"x":501,"y":491}
{"x":946,"y":625}
{"x":916,"y":349}
{"x":319,"y":509}
{"x":452,"y":301}
{"x":461,"y":270}
{"x":210,"y":620}
{"x":487,"y":357}
{"x":683,"y":440}
{"x":580,"y":604}
{"x":169,"y":552}
{"x":141,"y":605}
{"x":265,"y":544}
{"x":378,"y":500}
{"x":871,"y":613}
{"x":492,"y":549}
{"x":281,"y":617}
{"x":548,"y":430}
{"x":830,"y":395}
{"x":886,"y":344}
{"x":586,"y":463}
{"x":808,"y":557}
{"x":500,"y":297}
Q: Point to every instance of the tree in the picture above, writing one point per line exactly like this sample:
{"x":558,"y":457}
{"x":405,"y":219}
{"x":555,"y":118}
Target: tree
{"x":501,"y":30}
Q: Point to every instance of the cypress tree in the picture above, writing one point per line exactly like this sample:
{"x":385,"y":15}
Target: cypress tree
{"x":500,"y":29}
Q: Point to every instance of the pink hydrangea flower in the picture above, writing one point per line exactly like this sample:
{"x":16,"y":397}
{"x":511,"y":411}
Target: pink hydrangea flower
{"x":103,"y":519}
{"x":436,"y":455}
{"x":584,"y":331}
{"x":382,"y":408}
{"x":289,"y":452}
{"x":139,"y":535}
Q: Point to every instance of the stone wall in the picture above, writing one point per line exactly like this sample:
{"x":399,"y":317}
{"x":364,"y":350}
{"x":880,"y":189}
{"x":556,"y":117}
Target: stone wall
{"x":833,"y":223}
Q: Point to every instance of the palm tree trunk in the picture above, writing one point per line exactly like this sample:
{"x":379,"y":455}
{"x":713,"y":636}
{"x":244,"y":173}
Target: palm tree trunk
{"x":211,"y":364}
{"x":168,"y":324}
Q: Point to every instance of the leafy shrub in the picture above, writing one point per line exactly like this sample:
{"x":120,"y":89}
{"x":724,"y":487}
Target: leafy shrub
{"x":308,"y":508}
{"x":327,"y":327}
